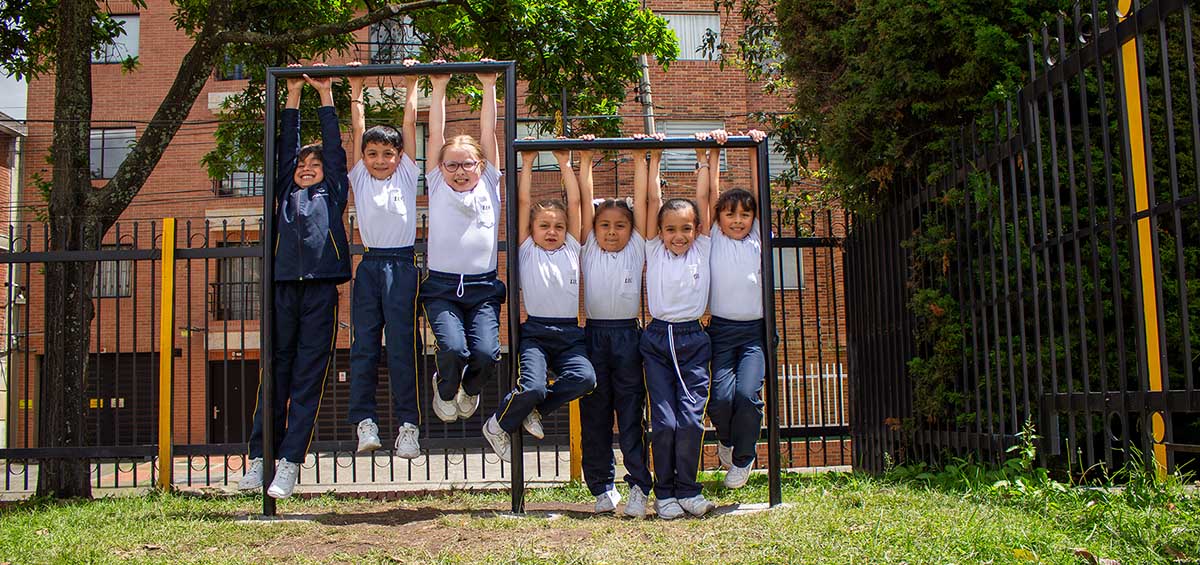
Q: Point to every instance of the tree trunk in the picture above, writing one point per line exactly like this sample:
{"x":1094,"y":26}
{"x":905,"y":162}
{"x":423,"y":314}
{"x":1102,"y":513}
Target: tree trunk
{"x":68,"y":308}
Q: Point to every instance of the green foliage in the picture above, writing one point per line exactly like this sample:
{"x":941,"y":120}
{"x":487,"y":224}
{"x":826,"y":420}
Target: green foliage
{"x":878,"y":88}
{"x":27,"y":40}
{"x":585,"y":49}
{"x":937,"y":322}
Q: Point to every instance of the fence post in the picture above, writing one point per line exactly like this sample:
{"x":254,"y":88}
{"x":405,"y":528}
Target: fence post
{"x":1146,"y":252}
{"x":166,"y":357}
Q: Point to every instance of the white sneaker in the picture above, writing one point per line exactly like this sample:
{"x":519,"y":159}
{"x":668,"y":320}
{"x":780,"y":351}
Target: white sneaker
{"x":725,"y":455}
{"x":533,"y":425}
{"x":467,"y":404}
{"x":285,"y":479}
{"x":697,"y":505}
{"x":607,"y":501}
{"x":498,"y":439}
{"x":737,"y":476}
{"x":445,"y":410}
{"x":668,"y":508}
{"x":253,"y":477}
{"x":407,"y":446}
{"x":368,"y":436}
{"x":636,"y":507}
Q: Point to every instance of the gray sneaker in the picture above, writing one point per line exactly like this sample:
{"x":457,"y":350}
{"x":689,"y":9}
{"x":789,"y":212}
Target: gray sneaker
{"x":407,"y":446}
{"x":445,"y":410}
{"x":668,"y":508}
{"x":697,"y":505}
{"x":533,"y":425}
{"x":368,"y":436}
{"x":725,"y":455}
{"x":607,"y":501}
{"x":467,"y":404}
{"x":254,"y":474}
{"x":636,"y":507}
{"x":285,"y":479}
{"x":737,"y":476}
{"x":498,"y":439}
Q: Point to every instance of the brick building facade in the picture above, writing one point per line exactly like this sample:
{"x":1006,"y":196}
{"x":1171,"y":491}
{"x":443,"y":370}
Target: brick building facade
{"x":216,"y":325}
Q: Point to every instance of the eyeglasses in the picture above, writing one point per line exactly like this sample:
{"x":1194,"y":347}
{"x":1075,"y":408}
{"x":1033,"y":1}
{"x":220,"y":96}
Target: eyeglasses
{"x":453,"y":167}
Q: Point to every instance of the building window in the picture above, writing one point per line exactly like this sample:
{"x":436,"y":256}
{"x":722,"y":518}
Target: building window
{"x":239,"y":183}
{"x":393,"y":41}
{"x":237,"y":292}
{"x":545,"y":160}
{"x":123,"y":46}
{"x":778,"y":162}
{"x":113,"y":279}
{"x":109,"y":148}
{"x":789,"y":269}
{"x":228,"y":69}
{"x":692,"y":32}
{"x":675,"y":160}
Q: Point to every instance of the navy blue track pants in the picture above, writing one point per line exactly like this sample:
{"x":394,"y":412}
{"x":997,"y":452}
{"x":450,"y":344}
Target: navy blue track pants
{"x":676,"y":357}
{"x":735,"y":406}
{"x":464,"y":314}
{"x":547,"y":344}
{"x":612,"y":346}
{"x":384,"y":303}
{"x":305,"y":328}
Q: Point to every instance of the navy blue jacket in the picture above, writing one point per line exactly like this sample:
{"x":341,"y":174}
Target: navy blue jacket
{"x":310,"y":240}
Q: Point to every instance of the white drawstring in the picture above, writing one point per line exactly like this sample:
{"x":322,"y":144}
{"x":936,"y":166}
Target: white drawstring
{"x":461,"y":278}
{"x":675,"y":360}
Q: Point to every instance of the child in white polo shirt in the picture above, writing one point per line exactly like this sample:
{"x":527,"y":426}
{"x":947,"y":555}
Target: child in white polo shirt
{"x":551,"y":338}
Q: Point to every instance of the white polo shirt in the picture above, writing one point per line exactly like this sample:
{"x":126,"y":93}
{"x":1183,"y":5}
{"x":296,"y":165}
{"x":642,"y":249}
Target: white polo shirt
{"x":386,"y":208}
{"x":612,"y":281}
{"x":464,"y":226}
{"x":550,"y":279}
{"x":677,"y":285}
{"x":736,"y":276}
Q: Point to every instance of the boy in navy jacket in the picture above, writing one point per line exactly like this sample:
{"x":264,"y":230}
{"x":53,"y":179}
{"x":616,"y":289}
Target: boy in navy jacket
{"x":311,"y":260}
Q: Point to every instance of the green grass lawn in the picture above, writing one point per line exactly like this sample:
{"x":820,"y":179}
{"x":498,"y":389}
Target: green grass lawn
{"x":842,"y":518}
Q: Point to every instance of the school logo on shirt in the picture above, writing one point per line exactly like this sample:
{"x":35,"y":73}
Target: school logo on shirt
{"x":695,"y":270}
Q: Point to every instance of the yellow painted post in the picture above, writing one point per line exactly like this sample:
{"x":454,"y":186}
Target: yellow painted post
{"x":166,"y":357}
{"x":1137,"y":148}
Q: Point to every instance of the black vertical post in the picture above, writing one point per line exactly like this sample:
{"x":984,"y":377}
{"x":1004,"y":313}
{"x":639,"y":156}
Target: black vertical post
{"x":513,"y":278}
{"x":267,"y":380}
{"x":768,"y":298}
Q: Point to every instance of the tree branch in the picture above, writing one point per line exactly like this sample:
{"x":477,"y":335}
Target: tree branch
{"x":277,"y":40}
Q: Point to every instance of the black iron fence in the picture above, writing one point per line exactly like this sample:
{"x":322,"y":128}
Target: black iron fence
{"x":216,"y":370}
{"x":1051,"y":276}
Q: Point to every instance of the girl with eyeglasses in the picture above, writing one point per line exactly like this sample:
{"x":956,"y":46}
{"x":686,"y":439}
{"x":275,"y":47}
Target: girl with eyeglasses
{"x":461,"y":295}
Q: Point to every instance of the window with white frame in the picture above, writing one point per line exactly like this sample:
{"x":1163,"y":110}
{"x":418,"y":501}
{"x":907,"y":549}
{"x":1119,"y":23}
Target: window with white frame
{"x":393,"y":41}
{"x":545,"y":160}
{"x":789,"y":268}
{"x":123,"y":46}
{"x":237,"y":293}
{"x":691,"y":31}
{"x":113,"y":279}
{"x":109,"y":148}
{"x":778,"y":162}
{"x":685,"y":159}
{"x":240,"y":183}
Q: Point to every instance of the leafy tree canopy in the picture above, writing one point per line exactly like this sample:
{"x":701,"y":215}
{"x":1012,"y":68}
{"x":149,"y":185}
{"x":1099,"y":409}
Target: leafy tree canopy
{"x":880,"y":87}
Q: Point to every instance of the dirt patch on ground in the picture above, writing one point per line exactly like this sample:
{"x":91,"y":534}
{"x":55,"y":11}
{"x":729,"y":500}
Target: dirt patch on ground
{"x":396,"y":528}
